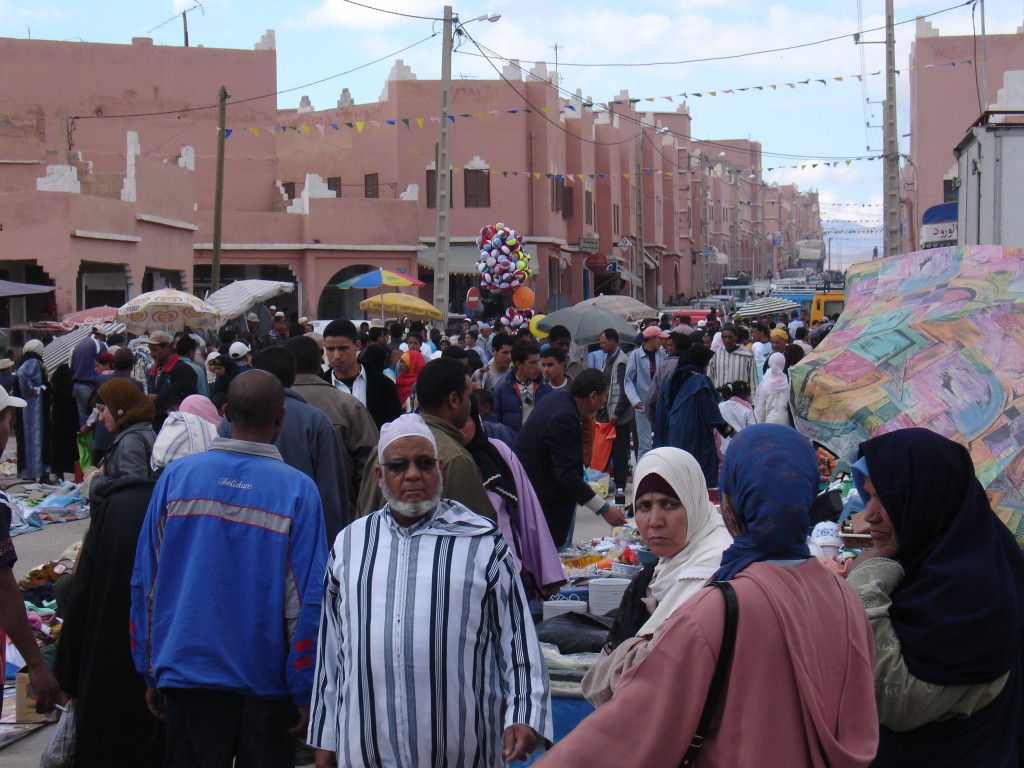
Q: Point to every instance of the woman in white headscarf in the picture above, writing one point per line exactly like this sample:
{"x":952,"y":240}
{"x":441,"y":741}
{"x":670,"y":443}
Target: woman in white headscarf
{"x":771,"y":401}
{"x":681,"y":526}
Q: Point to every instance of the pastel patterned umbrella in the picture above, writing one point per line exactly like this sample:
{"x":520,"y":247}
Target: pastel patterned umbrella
{"x":379,"y":277}
{"x":931,"y":339}
{"x":167,"y":310}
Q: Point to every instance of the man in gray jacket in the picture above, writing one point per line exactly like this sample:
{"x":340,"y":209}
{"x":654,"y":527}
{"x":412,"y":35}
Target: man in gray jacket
{"x":356,"y":430}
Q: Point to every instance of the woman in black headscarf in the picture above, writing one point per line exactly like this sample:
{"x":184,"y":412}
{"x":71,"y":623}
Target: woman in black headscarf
{"x":943,"y":586}
{"x":688,"y":414}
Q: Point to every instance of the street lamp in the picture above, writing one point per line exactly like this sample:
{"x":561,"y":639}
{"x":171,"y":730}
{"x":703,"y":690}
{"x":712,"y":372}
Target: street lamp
{"x":442,"y":187}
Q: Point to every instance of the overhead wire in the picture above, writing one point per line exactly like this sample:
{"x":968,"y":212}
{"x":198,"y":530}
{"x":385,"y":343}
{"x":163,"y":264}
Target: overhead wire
{"x":393,"y":13}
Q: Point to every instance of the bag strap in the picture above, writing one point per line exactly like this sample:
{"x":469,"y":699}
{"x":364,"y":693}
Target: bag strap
{"x":721,"y":672}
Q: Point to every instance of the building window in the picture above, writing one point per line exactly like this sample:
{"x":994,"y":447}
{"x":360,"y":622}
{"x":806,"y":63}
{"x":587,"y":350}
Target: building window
{"x":371,"y":190}
{"x":334,"y":184}
{"x":949,"y":190}
{"x":566,"y":202}
{"x":289,"y":189}
{"x":615,"y":219}
{"x":432,"y":188}
{"x":477,"y":185}
{"x":657,"y":211}
{"x":588,"y":207}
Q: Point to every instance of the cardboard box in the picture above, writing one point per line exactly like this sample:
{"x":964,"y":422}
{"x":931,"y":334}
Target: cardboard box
{"x":25,"y":701}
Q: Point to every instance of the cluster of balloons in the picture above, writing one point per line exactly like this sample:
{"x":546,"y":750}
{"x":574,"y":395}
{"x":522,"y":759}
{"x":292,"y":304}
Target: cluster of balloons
{"x":503,"y":264}
{"x":515,"y":318}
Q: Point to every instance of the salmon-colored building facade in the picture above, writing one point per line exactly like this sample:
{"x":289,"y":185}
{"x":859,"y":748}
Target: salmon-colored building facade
{"x":107,"y":170}
{"x":946,"y":81}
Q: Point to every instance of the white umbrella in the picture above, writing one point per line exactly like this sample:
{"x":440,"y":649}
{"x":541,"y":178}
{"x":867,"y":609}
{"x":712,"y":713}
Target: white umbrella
{"x":625,"y":307}
{"x":167,"y":310}
{"x":235,"y":298}
{"x":769,"y":305}
{"x":59,"y":350}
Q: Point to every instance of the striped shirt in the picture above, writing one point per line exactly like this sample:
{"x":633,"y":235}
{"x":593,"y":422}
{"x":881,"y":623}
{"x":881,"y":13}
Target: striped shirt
{"x":427,"y":651}
{"x":738,"y":365}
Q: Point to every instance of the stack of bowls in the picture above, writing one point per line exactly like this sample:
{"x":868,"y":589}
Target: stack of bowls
{"x":606,"y":594}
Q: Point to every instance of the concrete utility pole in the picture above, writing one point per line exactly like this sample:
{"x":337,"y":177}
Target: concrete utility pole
{"x":441,"y":174}
{"x":892,"y":147}
{"x":639,"y":265}
{"x":218,"y":191}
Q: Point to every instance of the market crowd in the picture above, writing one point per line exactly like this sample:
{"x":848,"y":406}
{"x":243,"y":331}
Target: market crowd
{"x":339,"y":539}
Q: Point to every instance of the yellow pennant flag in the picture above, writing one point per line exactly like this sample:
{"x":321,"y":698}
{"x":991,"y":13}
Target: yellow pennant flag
{"x":255,"y":131}
{"x":536,"y":176}
{"x":545,"y":109}
{"x":360,"y":125}
{"x":774,"y":86}
{"x":419,"y":122}
{"x":849,"y":161}
{"x":713,"y":93}
{"x":305,"y":129}
{"x":579,"y":176}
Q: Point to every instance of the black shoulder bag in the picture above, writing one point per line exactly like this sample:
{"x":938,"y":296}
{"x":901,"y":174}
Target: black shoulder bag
{"x":721,"y":671}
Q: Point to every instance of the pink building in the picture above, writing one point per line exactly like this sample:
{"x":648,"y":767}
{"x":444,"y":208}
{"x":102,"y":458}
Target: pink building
{"x":945,"y":100}
{"x":107,"y":158}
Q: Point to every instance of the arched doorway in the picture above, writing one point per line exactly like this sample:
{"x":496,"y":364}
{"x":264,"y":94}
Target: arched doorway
{"x":336,"y":303}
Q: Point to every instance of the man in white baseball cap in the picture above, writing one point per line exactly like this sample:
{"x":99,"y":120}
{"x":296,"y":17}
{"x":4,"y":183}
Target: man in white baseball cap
{"x":240,"y":353}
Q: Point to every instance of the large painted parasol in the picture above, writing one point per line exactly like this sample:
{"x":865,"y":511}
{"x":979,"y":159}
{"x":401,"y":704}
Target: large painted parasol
{"x":930,"y":339}
{"x":167,"y":310}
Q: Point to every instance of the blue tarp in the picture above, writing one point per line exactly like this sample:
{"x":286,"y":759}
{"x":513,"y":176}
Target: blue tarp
{"x":940,"y":214}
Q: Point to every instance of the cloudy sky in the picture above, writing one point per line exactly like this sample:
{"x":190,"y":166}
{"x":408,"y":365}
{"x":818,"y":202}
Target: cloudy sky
{"x":650,"y":49}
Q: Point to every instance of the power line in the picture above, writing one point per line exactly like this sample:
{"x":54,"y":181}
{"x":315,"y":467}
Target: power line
{"x":186,"y":110}
{"x":750,"y":53}
{"x":394,"y":13}
{"x":629,"y":117}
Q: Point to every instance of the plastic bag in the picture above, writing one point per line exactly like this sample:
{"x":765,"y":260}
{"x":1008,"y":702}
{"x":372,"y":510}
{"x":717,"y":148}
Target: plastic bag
{"x":59,"y":752}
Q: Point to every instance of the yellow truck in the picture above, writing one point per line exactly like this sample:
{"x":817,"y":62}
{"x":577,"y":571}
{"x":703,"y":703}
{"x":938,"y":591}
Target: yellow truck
{"x":826,"y":304}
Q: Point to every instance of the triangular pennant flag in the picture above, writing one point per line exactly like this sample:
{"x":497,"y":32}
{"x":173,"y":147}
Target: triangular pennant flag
{"x":335,"y":126}
{"x":633,"y":101}
{"x":255,"y":131}
{"x":698,"y":95}
{"x":456,"y":169}
{"x":227,"y":132}
{"x":848,"y":161}
{"x":435,"y":119}
{"x":774,"y":86}
{"x":479,"y":114}
{"x":305,"y":129}
{"x":505,"y":174}
{"x":375,"y":123}
{"x":515,"y":173}
{"x":451,"y":118}
{"x":537,"y":175}
{"x":391,"y":122}
{"x":730,"y":90}
{"x":713,"y":93}
{"x":649,"y":98}
{"x":820,"y":80}
{"x":545,"y":109}
{"x":351,"y":125}
{"x":320,"y":127}
{"x":360,"y":125}
{"x":669,"y":98}
{"x":840,"y":78}
{"x":570,"y":106}
{"x":625,"y":175}
{"x":419,"y":122}
{"x":405,"y":121}
{"x":579,"y":176}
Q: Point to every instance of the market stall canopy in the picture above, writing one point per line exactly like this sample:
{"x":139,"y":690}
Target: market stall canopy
{"x":236,"y":298}
{"x":379,"y":277}
{"x":59,"y":350}
{"x":167,"y":310}
{"x":769,"y":305}
{"x":89,"y":317}
{"x":585,"y":323}
{"x":401,"y":304}
{"x":625,"y":307}
{"x":931,"y":339}
{"x":7,"y":288}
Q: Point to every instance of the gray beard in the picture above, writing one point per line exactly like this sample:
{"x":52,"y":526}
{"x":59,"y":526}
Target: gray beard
{"x":414,"y":509}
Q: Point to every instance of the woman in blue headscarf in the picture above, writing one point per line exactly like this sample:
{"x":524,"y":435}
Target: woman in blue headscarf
{"x":943,"y":588}
{"x":799,"y":691}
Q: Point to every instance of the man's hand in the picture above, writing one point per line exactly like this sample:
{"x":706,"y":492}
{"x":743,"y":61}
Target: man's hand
{"x":155,"y":703}
{"x":520,"y":741}
{"x":45,"y":686}
{"x":613,"y":516}
{"x":298,"y":730}
{"x":550,"y":590}
{"x":613,"y":420}
{"x":638,"y":406}
{"x":324,"y":759}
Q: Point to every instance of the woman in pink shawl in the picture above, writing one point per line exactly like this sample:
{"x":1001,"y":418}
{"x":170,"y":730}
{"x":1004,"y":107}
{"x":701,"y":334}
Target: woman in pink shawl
{"x":800,"y":689}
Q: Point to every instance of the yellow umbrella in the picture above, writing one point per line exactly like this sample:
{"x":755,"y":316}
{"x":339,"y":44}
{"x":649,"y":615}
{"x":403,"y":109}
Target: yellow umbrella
{"x":403,"y":304}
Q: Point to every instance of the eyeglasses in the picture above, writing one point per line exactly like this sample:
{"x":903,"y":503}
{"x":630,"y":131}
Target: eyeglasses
{"x":401,"y":466}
